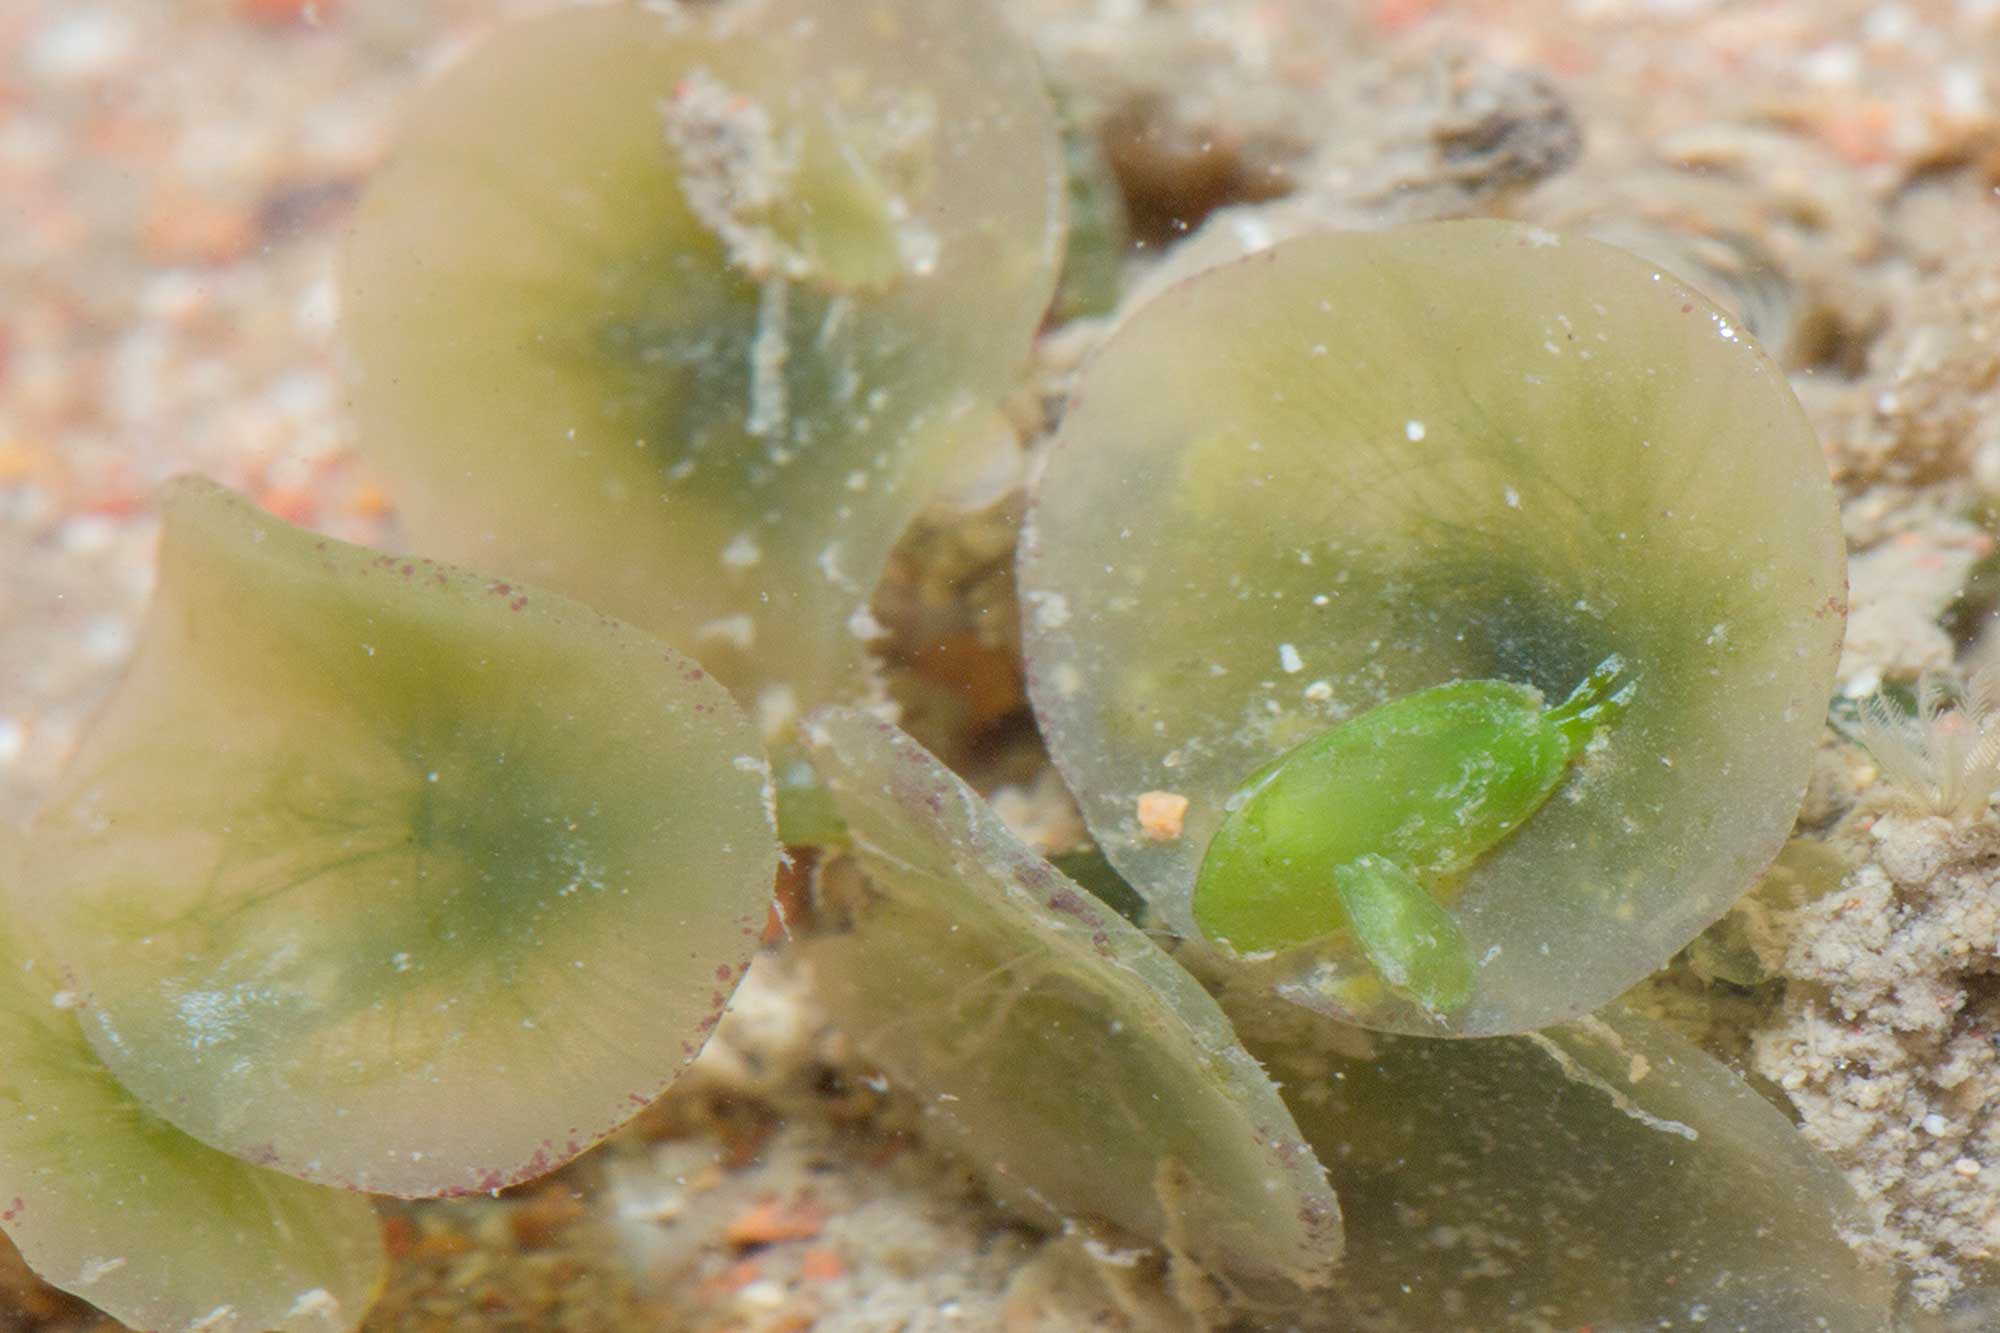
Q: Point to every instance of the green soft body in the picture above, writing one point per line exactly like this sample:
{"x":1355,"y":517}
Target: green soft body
{"x":1428,"y":782}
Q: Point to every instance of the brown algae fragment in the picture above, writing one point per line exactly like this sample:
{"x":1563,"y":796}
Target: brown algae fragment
{"x":1357,"y":467}
{"x":106,"y":1200}
{"x":684,"y":313}
{"x":1602,"y":1174}
{"x":392,"y":876}
{"x":1087,"y":1074}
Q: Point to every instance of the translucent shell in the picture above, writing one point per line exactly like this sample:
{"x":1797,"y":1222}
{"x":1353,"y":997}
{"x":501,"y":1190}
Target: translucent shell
{"x":1399,"y":802}
{"x":392,"y":876}
{"x":108,"y":1201}
{"x":1604,"y":1174}
{"x":1356,"y":467}
{"x":683,"y":310}
{"x":1085,"y":1072}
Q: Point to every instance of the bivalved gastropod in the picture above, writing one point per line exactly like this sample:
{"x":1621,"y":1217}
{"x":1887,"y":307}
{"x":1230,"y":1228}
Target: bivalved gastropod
{"x":1365,"y":827}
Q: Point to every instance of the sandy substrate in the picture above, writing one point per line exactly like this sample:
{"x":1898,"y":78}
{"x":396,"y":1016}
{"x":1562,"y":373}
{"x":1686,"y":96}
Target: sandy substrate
{"x":176,"y":180}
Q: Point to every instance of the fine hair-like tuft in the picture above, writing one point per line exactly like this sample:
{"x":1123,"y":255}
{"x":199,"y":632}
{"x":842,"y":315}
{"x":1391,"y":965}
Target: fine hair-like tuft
{"x":1944,"y":758}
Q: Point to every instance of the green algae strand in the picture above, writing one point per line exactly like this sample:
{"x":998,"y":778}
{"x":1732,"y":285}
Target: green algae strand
{"x":393,"y":876}
{"x":1358,"y":467}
